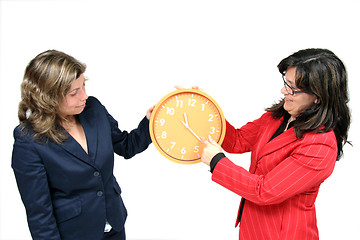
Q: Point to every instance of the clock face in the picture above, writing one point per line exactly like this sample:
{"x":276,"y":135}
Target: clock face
{"x":179,"y":121}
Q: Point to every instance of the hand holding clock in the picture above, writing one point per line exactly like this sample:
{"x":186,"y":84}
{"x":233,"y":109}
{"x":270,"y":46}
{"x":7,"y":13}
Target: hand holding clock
{"x":149,"y":112}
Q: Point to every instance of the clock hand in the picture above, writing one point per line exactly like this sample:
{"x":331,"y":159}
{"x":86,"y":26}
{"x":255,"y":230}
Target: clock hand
{"x":187,"y":126}
{"x":186,"y":121}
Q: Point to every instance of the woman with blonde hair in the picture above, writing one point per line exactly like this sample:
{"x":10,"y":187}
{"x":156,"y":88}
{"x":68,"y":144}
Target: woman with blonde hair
{"x":63,"y":154}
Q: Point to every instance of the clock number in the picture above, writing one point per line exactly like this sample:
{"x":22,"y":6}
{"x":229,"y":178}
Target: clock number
{"x":183,"y":151}
{"x":191,"y":102}
{"x":179,"y":103}
{"x":203,"y":107}
{"x":173,"y":145}
{"x":162,"y":122}
{"x":196,"y":149}
{"x":170,"y":111}
{"x":163,"y":135}
{"x":211,"y":117}
{"x":212,"y":131}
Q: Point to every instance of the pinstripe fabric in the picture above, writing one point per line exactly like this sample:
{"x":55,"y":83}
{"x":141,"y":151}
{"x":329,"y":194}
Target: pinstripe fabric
{"x":283,"y":181}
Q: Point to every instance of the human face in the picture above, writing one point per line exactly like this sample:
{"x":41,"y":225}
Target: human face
{"x":299,"y":102}
{"x":75,"y":99}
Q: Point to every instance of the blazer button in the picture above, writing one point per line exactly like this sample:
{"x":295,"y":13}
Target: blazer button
{"x":99,"y":193}
{"x":96,"y":174}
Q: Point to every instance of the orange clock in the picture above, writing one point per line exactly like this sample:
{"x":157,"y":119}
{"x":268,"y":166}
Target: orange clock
{"x":180,"y":119}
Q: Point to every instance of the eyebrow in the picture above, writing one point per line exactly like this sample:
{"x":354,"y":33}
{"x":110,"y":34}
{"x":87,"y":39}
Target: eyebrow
{"x":291,"y":83}
{"x":74,"y":90}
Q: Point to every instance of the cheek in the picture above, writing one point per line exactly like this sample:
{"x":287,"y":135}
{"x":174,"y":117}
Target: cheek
{"x":291,"y":108}
{"x":63,"y":109}
{"x":66,"y":107}
{"x":301,"y":106}
{"x":294,"y":107}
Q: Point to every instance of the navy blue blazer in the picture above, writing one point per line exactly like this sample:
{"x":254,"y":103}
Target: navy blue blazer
{"x":69,"y":194}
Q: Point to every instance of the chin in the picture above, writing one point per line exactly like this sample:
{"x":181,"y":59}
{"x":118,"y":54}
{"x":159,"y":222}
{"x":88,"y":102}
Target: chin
{"x":286,"y":107}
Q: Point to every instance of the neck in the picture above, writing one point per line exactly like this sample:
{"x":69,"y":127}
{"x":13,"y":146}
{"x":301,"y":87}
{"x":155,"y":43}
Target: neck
{"x":68,"y":122}
{"x":289,"y":121}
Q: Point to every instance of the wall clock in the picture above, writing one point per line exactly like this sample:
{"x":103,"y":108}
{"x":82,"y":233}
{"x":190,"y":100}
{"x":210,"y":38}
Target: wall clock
{"x":180,"y":119}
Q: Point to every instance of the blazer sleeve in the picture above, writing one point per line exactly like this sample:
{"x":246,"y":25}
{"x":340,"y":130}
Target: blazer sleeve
{"x":305,"y":168}
{"x":128,"y":144}
{"x":33,"y":186}
{"x":243,"y":139}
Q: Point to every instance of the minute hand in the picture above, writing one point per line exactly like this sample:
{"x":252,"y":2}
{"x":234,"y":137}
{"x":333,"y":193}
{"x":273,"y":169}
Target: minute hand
{"x":187,"y":126}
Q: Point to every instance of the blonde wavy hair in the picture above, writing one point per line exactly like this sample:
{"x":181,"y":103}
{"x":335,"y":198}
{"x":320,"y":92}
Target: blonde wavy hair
{"x":47,"y":79}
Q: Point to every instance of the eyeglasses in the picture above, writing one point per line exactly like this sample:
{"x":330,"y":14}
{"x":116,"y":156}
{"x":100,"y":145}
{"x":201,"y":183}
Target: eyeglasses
{"x":291,"y":90}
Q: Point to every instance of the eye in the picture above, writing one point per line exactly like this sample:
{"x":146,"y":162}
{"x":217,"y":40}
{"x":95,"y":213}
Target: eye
{"x":73,"y":94}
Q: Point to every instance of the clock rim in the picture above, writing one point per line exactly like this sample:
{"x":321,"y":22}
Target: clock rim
{"x":167,"y":96}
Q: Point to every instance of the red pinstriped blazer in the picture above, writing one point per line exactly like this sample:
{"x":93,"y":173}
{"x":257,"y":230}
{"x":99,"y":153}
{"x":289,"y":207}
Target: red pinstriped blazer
{"x":283,"y":181}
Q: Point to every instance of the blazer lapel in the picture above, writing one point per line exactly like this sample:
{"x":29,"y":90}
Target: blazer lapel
{"x":266,"y":147}
{"x":88,"y":122}
{"x":73,"y":147}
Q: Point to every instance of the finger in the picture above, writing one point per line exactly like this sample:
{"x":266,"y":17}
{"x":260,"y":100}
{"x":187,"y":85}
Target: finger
{"x":205,"y":141}
{"x":211,"y":140}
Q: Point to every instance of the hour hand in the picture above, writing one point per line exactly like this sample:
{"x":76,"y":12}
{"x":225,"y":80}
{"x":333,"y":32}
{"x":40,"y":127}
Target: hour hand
{"x":186,"y":120}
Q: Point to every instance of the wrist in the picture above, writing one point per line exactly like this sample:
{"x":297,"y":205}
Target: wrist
{"x":215,"y":160}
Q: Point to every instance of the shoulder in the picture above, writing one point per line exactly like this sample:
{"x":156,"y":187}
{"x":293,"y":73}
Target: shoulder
{"x":92,"y":102}
{"x":266,"y":118}
{"x":317,"y":150}
{"x":23,"y":133}
{"x":24,"y":138}
{"x":93,"y":106}
{"x":327,"y":138}
{"x":25,"y":144}
{"x":94,"y":111}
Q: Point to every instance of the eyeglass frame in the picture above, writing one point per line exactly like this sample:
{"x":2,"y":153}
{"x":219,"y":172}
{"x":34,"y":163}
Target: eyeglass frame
{"x":293,"y":92}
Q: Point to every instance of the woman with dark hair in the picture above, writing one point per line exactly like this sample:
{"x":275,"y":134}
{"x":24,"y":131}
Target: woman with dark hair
{"x":294,"y":147}
{"x":63,"y":155}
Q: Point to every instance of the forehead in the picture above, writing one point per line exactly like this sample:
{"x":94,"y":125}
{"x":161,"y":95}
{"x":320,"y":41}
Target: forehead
{"x":291,"y":71}
{"x":290,"y":74}
{"x":77,"y":83}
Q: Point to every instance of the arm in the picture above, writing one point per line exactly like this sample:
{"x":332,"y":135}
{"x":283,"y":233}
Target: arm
{"x":235,"y":141}
{"x":129,"y":144}
{"x":33,"y":186}
{"x":243,"y":139}
{"x":306,"y":167}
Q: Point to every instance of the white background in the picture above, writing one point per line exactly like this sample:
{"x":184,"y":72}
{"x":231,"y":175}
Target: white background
{"x":136,"y":51}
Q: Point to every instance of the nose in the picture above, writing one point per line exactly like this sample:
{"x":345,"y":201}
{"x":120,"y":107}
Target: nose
{"x":283,"y":91}
{"x":84,"y":96}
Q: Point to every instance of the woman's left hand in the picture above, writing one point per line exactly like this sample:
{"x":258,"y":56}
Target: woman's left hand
{"x":148,"y":112}
{"x":210,"y":150}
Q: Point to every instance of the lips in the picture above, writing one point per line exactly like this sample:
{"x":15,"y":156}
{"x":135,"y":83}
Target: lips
{"x":82,"y":106}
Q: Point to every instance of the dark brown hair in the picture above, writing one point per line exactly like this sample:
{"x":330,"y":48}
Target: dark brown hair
{"x":323,"y":73}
